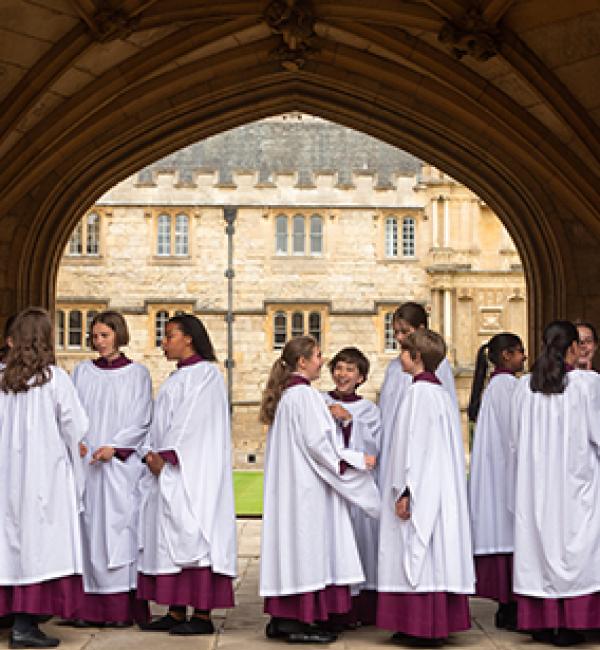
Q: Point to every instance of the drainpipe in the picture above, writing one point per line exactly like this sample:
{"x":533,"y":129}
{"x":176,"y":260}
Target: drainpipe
{"x":229,"y":214}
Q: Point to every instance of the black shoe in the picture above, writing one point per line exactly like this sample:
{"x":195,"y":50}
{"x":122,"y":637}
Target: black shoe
{"x":423,"y":641}
{"x":32,"y":638}
{"x":543,"y":636}
{"x":162,"y":624}
{"x":76,"y":622}
{"x":564,"y":637}
{"x":272,"y":630}
{"x":118,"y":625}
{"x":312,"y":635}
{"x":195,"y":625}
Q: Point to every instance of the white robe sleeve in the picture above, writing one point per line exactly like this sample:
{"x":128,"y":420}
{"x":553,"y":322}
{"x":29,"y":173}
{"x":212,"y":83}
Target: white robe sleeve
{"x":355,"y":486}
{"x":72,"y":423}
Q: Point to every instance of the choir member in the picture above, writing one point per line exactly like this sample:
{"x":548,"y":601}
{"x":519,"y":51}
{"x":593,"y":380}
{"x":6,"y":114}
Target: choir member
{"x":42,"y":423}
{"x":309,"y":556}
{"x":492,"y":524}
{"x":425,"y":566}
{"x":187,"y":516}
{"x":358,"y":429}
{"x":407,"y":318}
{"x":555,"y":452}
{"x":117,"y":395}
{"x":588,"y":345}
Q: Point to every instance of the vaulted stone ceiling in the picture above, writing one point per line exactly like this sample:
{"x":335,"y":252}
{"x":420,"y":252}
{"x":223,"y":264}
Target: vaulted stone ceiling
{"x":90,"y":90}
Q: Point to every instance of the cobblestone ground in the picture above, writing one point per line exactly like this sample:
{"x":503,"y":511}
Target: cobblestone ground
{"x":243,"y":627}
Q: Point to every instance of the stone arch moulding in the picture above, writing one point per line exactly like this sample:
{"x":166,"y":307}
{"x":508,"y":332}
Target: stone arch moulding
{"x":172,"y":111}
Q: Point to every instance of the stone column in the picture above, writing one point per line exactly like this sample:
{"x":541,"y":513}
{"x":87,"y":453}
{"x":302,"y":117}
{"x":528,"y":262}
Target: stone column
{"x":446,"y":222}
{"x":434,"y":223}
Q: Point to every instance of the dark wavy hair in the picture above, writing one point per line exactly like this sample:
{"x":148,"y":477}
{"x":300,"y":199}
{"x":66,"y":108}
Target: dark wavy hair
{"x":351,"y":355}
{"x":194,"y":328}
{"x":548,"y":373}
{"x":413,"y":313}
{"x":31,"y":353}
{"x":489,"y":352}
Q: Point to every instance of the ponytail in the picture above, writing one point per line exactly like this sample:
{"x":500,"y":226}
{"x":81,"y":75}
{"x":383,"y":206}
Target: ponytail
{"x":281,"y":370}
{"x":548,"y":373}
{"x":492,"y":352}
{"x":481,"y":367}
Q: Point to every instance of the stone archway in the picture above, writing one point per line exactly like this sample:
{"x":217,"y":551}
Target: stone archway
{"x":241,"y":66}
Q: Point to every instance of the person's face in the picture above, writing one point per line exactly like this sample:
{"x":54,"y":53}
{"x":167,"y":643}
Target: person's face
{"x":587,"y":345}
{"x":104,"y":339}
{"x":176,"y":345}
{"x":402,"y":329}
{"x":410,"y":365}
{"x":311,"y":367}
{"x":514,"y":360}
{"x":346,"y":377}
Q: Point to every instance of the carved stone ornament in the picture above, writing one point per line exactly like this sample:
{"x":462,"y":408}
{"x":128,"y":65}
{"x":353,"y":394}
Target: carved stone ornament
{"x":110,"y":23}
{"x":294,"y":21}
{"x":470,"y":35}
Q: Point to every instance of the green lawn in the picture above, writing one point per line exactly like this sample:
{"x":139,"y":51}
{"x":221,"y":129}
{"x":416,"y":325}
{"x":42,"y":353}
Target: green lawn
{"x":248,"y":490}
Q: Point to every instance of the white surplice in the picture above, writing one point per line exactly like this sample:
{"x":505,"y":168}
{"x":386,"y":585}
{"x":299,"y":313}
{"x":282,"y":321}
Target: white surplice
{"x":118,"y":402}
{"x":432,"y":550}
{"x":393,"y":389}
{"x":364,"y":439}
{"x":187,"y":514}
{"x":492,"y":522}
{"x":41,"y":482}
{"x":307,"y":537}
{"x":555,"y":454}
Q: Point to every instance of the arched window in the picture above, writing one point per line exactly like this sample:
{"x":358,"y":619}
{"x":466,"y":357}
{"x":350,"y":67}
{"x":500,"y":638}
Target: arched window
{"x":408,"y":237}
{"x":75,"y":243}
{"x":391,"y":237}
{"x":314,"y":326}
{"x":297,"y":324}
{"x":181,"y":234}
{"x":279,"y":330}
{"x":298,"y":234}
{"x":60,"y":329}
{"x":389,"y":341}
{"x":163,"y":236}
{"x":316,"y":235}
{"x":160,"y":323}
{"x":75,"y":329}
{"x":89,"y":317}
{"x":281,"y":235}
{"x":92,"y":245}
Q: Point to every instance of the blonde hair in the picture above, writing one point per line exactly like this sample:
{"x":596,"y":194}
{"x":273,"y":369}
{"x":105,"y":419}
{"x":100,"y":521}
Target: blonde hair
{"x":31,"y":352}
{"x":429,"y":344}
{"x":281,"y":370}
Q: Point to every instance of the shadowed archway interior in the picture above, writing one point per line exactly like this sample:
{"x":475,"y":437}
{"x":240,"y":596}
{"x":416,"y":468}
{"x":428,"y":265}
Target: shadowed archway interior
{"x":459,"y":85}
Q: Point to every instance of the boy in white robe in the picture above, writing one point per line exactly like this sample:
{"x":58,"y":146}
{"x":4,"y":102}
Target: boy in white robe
{"x":309,"y":557}
{"x":407,"y":318}
{"x":42,"y":423}
{"x":425,"y":559}
{"x":358,"y":431}
{"x":187,"y":530}
{"x":555,"y":451}
{"x":492,"y":522}
{"x":117,"y":395}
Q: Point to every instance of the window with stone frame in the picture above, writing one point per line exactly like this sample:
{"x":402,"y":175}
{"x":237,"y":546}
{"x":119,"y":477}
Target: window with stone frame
{"x":389,"y":341}
{"x":298,"y":235}
{"x":161,"y":317}
{"x":408,"y":237}
{"x":85,"y":238}
{"x":73,"y":327}
{"x":293,"y":321}
{"x":172,"y":235}
{"x":391,"y":237}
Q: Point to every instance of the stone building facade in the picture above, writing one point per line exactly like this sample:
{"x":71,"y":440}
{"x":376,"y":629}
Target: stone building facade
{"x":333,"y":230}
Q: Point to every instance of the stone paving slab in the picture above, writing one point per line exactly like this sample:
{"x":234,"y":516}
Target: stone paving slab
{"x":242,"y":628}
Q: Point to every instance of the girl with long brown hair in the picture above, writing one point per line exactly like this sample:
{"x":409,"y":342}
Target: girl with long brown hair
{"x":42,"y":423}
{"x":309,"y":556}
